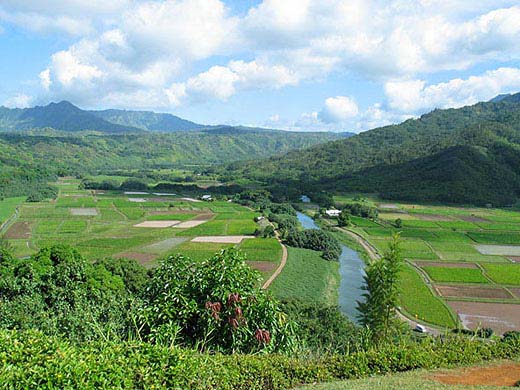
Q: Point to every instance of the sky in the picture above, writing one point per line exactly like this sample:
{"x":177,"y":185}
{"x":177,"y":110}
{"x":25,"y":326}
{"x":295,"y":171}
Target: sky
{"x":305,"y":65}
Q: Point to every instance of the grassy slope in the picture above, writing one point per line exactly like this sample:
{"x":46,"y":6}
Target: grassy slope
{"x":309,"y":277}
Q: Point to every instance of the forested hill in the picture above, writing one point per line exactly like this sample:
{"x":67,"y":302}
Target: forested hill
{"x":147,"y":120}
{"x":465,"y":155}
{"x":28,"y":158}
{"x":62,"y":116}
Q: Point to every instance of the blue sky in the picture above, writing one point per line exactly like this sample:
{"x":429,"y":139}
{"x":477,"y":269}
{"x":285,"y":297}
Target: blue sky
{"x":336,"y":65}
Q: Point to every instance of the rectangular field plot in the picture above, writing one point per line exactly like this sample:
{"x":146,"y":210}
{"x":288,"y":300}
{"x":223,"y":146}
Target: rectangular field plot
{"x":222,"y":228}
{"x":420,"y":302}
{"x":84,"y":211}
{"x":221,"y":239}
{"x":262,"y":249}
{"x":8,"y":206}
{"x":171,"y":216}
{"x":363,"y":222}
{"x":455,"y":275}
{"x":503,"y":273}
{"x":198,"y":251}
{"x":19,"y":230}
{"x":501,"y":317}
{"x":512,"y":238}
{"x":504,"y":250}
{"x":189,"y":224}
{"x":156,"y":224}
{"x":163,"y":246}
{"x":473,"y":292}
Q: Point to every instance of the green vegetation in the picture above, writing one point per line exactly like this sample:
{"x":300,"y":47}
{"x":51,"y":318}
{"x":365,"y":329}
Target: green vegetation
{"x":466,"y":155}
{"x":378,"y":310}
{"x":503,"y":273}
{"x":33,"y":360}
{"x":307,"y":276}
{"x":420,"y":302}
{"x":8,"y":207}
{"x":456,"y":275}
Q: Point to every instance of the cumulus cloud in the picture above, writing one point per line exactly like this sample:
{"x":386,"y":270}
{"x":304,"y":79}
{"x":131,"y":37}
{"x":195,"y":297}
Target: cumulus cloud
{"x":416,"y":96}
{"x":338,"y":109}
{"x":148,"y":49}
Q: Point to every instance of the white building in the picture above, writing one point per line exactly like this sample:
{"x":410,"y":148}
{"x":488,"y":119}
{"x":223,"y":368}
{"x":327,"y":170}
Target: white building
{"x":207,"y":198}
{"x":333,"y":213}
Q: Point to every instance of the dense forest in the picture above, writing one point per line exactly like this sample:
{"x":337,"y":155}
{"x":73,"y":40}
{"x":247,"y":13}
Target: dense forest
{"x":466,"y":155}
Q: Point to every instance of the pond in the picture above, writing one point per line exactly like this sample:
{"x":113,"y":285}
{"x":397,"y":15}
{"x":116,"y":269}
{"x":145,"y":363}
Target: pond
{"x":351,"y":271}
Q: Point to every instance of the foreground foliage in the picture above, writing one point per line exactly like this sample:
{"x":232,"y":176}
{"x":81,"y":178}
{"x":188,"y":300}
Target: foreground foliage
{"x":33,"y":360}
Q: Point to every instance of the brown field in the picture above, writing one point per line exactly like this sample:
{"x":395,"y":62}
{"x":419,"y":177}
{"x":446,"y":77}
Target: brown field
{"x":472,"y":218}
{"x":514,"y":259}
{"x":444,"y":265}
{"x":203,"y":217}
{"x":507,"y":374}
{"x":262,"y":266}
{"x":189,"y":224}
{"x":515,"y":291}
{"x":221,"y":239}
{"x":433,"y":217}
{"x":19,"y":230}
{"x":157,"y":224}
{"x":501,"y":317}
{"x":472,"y":292}
{"x":141,"y":258}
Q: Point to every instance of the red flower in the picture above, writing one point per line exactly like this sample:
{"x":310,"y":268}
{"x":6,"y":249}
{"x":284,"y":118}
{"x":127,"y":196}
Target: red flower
{"x":233,"y":298}
{"x":238,"y":312}
{"x":233,"y":322}
{"x":263,"y":336}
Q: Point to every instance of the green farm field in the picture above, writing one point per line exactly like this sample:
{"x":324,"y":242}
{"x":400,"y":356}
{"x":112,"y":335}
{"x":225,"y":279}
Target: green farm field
{"x":103,"y":224}
{"x":456,"y":246}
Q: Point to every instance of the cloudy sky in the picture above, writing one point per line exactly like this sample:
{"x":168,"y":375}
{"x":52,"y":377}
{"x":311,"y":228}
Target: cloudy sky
{"x":339,"y":65}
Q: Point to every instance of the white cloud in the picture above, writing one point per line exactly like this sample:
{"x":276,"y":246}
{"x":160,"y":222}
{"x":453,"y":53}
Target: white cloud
{"x":416,"y":96}
{"x":148,"y":49}
{"x":18,"y":101}
{"x":338,"y":109}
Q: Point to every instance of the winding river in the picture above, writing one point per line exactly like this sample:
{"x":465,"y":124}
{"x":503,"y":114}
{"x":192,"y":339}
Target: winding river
{"x":351,"y":271}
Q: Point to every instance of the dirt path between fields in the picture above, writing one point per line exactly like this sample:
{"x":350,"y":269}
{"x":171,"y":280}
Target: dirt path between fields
{"x":369,"y":248}
{"x":280,"y":267}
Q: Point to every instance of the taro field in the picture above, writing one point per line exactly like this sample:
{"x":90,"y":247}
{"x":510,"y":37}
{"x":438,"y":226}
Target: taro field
{"x":462,"y":264}
{"x":145,"y":227}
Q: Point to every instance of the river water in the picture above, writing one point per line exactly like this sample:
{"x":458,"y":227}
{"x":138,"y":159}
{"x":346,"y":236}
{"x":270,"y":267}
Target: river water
{"x":351,"y":271}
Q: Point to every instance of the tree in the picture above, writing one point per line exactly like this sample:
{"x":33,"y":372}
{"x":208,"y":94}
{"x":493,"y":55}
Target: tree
{"x":378,"y":311}
{"x":214,"y":305}
{"x":344,"y":219}
{"x":399,"y":223}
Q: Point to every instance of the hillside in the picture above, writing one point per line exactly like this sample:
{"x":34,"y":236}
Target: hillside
{"x":62,"y":116}
{"x":413,"y":160}
{"x":147,"y":120}
{"x":26,"y":157}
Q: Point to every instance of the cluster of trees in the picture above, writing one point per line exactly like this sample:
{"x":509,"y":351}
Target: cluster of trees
{"x":315,"y":239}
{"x":213,"y":306}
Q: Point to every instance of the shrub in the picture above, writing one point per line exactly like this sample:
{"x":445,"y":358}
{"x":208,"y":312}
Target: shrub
{"x":214,"y":305}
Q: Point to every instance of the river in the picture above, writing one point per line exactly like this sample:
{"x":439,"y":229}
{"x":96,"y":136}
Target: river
{"x":351,"y":271}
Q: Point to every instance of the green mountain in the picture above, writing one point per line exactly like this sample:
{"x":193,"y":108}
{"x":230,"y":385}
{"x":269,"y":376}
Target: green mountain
{"x":147,"y":120}
{"x":465,"y":155}
{"x":62,"y":116}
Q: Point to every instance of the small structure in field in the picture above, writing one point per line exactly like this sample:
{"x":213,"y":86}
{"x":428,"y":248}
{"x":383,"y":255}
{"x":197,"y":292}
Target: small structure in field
{"x":206,"y":198}
{"x":333,"y":213}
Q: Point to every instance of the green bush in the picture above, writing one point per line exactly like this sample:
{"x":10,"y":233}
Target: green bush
{"x":33,"y":360}
{"x":214,"y":305}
